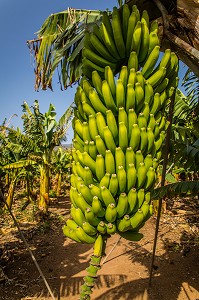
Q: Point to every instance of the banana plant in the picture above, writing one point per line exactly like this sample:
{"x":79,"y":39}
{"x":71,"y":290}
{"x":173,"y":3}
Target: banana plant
{"x":14,"y":161}
{"x":60,"y":165}
{"x":46,"y":133}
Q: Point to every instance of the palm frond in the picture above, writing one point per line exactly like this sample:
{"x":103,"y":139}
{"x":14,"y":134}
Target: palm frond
{"x":59,"y":44}
{"x":191,"y":85}
{"x":19,"y":164}
{"x":184,"y":188}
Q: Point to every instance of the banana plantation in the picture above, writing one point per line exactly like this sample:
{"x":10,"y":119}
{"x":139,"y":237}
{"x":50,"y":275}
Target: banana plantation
{"x":134,"y":159}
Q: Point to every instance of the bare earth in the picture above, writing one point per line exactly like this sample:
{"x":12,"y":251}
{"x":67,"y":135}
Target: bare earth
{"x":125,"y":272}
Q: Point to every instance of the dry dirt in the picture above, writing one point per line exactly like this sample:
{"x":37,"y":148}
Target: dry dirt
{"x":125,"y":272}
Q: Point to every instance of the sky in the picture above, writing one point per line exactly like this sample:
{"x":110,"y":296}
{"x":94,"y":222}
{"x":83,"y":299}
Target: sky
{"x":19,"y":21}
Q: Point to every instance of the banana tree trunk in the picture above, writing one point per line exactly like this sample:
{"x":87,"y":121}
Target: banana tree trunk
{"x":59,"y":182}
{"x":44,"y":188}
{"x":10,"y":196}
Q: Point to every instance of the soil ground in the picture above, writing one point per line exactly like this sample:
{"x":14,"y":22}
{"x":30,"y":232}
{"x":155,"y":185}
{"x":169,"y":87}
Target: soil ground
{"x":125,"y":272}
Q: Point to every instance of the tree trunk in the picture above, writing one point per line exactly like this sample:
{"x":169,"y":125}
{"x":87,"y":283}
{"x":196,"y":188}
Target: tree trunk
{"x":59,"y":182}
{"x":44,"y":189}
{"x":10,"y":196}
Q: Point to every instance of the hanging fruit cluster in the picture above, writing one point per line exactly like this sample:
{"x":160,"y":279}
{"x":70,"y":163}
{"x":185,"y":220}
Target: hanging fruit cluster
{"x":119,"y":128}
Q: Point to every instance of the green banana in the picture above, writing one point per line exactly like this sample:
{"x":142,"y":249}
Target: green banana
{"x":71,"y":224}
{"x":148,"y":93}
{"x":100,"y":167}
{"x":133,"y":62}
{"x":119,"y":158}
{"x":125,"y":19}
{"x":148,"y":161}
{"x":132,"y":119}
{"x":95,"y":191}
{"x":132,"y":77}
{"x":131,"y":176}
{"x":101,"y":148}
{"x":145,"y":209}
{"x":122,"y":206}
{"x":150,"y":178}
{"x":112,"y":124}
{"x":71,"y":233}
{"x":111,"y":228}
{"x":109,"y":77}
{"x":123,"y":76}
{"x":122,"y":180}
{"x":143,"y":139}
{"x":78,"y":145}
{"x":131,"y":26}
{"x":123,"y":136}
{"x":95,"y":58}
{"x":90,"y":217}
{"x":136,"y":38}
{"x":77,"y":215}
{"x":124,"y":224}
{"x":92,"y":150}
{"x":157,"y":77}
{"x":98,"y":246}
{"x":113,"y":185}
{"x":140,"y":197}
{"x":122,"y":116}
{"x":135,"y":137}
{"x":105,"y":180}
{"x":141,"y":175}
{"x":87,"y":176}
{"x":139,"y":97}
{"x":96,"y":101}
{"x":84,"y":237}
{"x":86,"y":132}
{"x":86,"y":193}
{"x":97,"y":207}
{"x":101,"y":227}
{"x":153,"y":41}
{"x":151,"y":62}
{"x":151,"y":122}
{"x":79,"y":170}
{"x":88,"y":228}
{"x":111,"y":213}
{"x":130,"y":97}
{"x":109,"y":140}
{"x":156,"y":104}
{"x":101,"y":123}
{"x":108,"y":98}
{"x":144,"y":40}
{"x":129,"y":157}
{"x":73,"y":195}
{"x":142,"y":121}
{"x":139,"y":158}
{"x":107,"y":196}
{"x":117,"y":32}
{"x":101,"y":48}
{"x":97,"y":82}
{"x":81,"y":202}
{"x":109,"y":41}
{"x":137,"y":219}
{"x":132,"y":200}
{"x":120,"y":93}
{"x":89,"y":162}
{"x":109,"y":162}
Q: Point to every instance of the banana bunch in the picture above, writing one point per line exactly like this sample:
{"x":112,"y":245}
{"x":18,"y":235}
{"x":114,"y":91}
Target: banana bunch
{"x":128,"y":38}
{"x":119,"y":129}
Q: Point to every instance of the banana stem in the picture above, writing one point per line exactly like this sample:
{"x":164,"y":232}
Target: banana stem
{"x":94,"y":266}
